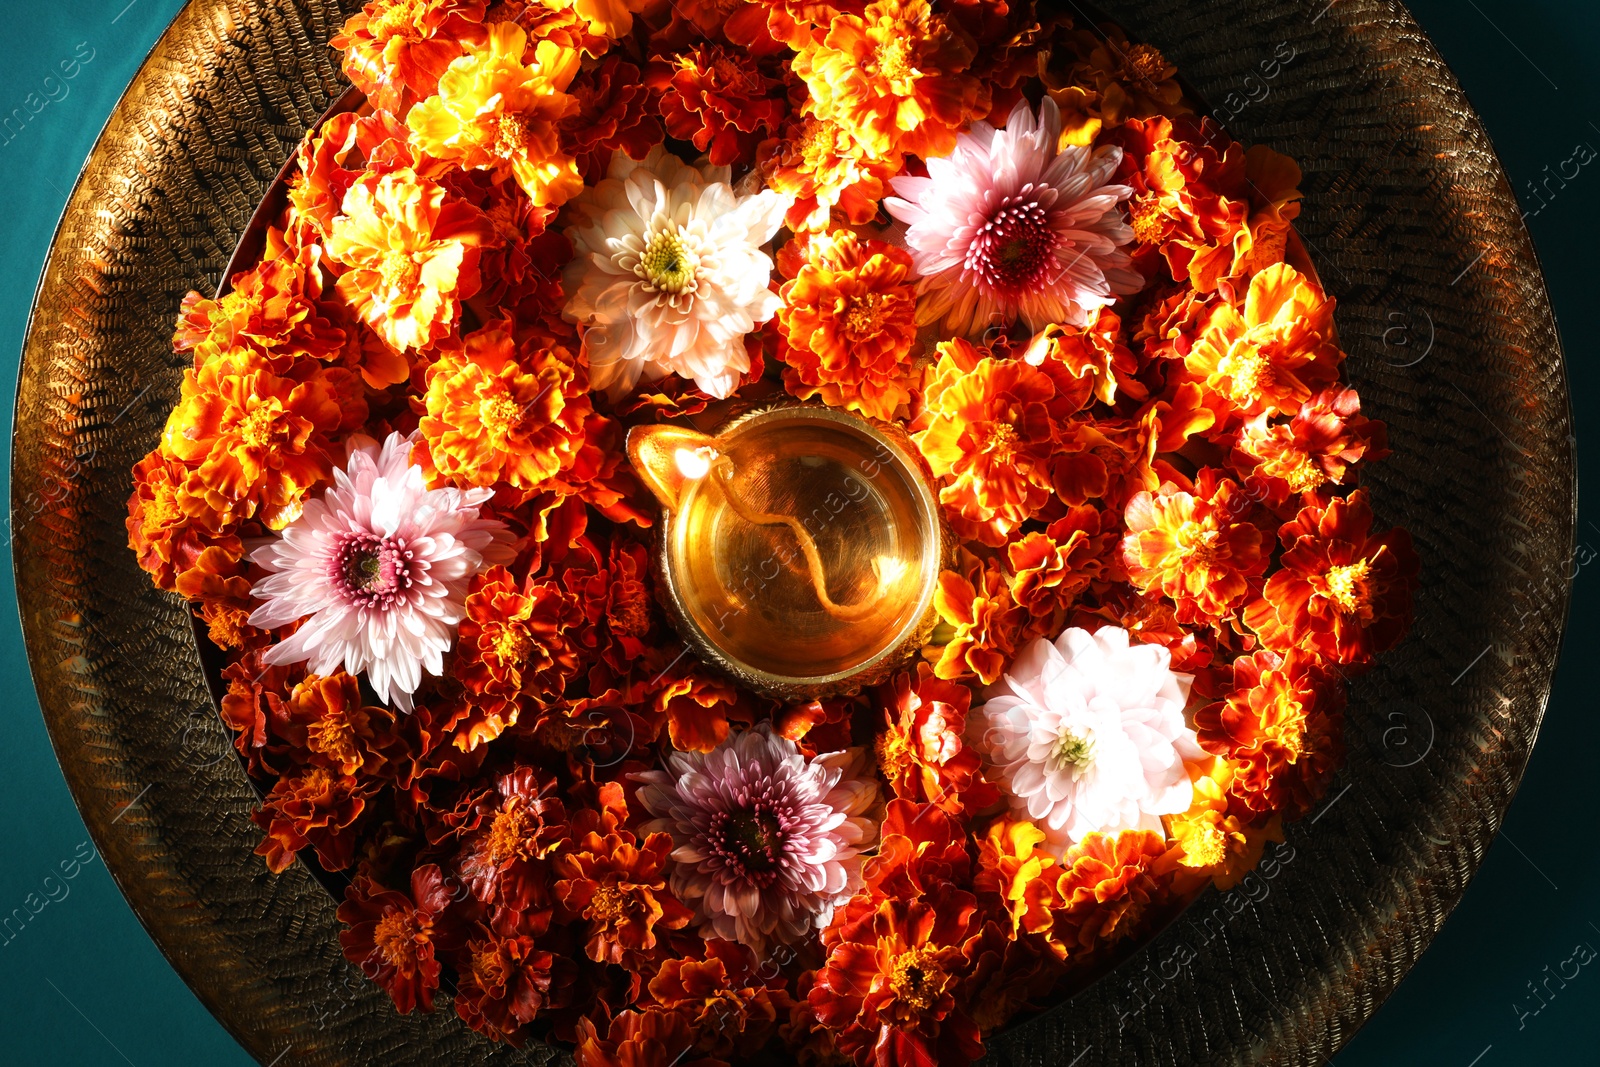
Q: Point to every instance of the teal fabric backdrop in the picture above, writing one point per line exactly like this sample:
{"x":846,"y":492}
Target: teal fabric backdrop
{"x":1504,"y":984}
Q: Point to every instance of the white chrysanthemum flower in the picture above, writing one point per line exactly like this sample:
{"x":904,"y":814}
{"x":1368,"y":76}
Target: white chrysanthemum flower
{"x":1087,"y":734}
{"x":1012,"y":223}
{"x":668,"y":274}
{"x":378,"y":568}
{"x":767,"y":841}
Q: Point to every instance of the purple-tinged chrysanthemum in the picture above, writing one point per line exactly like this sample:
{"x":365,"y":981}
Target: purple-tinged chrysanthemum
{"x":1012,"y":224}
{"x":378,"y":568}
{"x":766,"y":841}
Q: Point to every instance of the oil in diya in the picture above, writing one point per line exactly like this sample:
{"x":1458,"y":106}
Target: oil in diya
{"x":799,"y":546}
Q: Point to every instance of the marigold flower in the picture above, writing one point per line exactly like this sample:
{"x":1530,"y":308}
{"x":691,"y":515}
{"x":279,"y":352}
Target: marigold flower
{"x":719,"y":99}
{"x":983,"y":623}
{"x":820,"y":165}
{"x":410,"y":253}
{"x":1216,"y":841}
{"x":614,"y":883}
{"x":326,"y":719}
{"x":1015,"y":871}
{"x":922,"y":752}
{"x":1275,"y":354}
{"x":1198,"y":548}
{"x":653,"y":1037}
{"x":1343,"y":593}
{"x":274,"y":308}
{"x":395,"y":50}
{"x":522,"y":822}
{"x":503,"y":985}
{"x":500,"y":411}
{"x":725,"y":997}
{"x":614,"y":114}
{"x":316,"y":806}
{"x":848,"y":323}
{"x":895,"y":78}
{"x":1281,"y":727}
{"x":1107,"y":884}
{"x":1130,"y":81}
{"x":1320,"y":446}
{"x":1051,"y":567}
{"x":494,"y":112}
{"x":394,"y":938}
{"x":174,"y":548}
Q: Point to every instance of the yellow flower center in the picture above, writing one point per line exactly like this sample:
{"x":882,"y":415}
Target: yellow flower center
{"x":512,"y":136}
{"x":399,"y":272}
{"x":668,"y":264}
{"x":1002,"y":441}
{"x":894,"y":61}
{"x":1204,"y":845}
{"x":162,"y":510}
{"x":1347,"y":586}
{"x":608,"y":905}
{"x":1144,"y":66}
{"x":490,"y":970}
{"x":395,"y":936}
{"x":894,"y":754}
{"x":1198,"y":543}
{"x":508,"y":836}
{"x":862,"y":318}
{"x":1248,"y":371}
{"x":400,"y":18}
{"x":500,"y":415}
{"x":917,"y":978}
{"x":1073,"y":750}
{"x":1146,"y":217}
{"x":1304,"y":476}
{"x":259,"y":427}
{"x":334,"y":737}
{"x":1290,"y":734}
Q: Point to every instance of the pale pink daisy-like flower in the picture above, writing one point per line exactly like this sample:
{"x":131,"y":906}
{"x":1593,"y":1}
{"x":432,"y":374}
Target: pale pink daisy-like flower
{"x":1012,"y":224}
{"x":378,"y":568}
{"x":1088,"y":734}
{"x":767,"y":841}
{"x":667,"y":274}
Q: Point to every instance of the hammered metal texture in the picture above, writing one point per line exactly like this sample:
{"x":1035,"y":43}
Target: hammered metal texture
{"x":1414,"y":228}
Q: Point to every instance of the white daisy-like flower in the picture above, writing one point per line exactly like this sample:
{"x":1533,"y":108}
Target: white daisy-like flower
{"x":1012,"y":223}
{"x":1087,"y":734}
{"x":378,"y":568}
{"x":767,"y":841}
{"x":668,"y":274}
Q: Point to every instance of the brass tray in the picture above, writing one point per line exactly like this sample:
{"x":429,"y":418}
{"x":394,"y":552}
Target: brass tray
{"x":1442,"y":307}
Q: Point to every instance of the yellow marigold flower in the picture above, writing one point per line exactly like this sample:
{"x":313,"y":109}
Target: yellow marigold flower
{"x":498,"y":411}
{"x":410,"y":253}
{"x":1216,"y":843}
{"x":1275,"y":354}
{"x":494,"y":112}
{"x":849,"y":319}
{"x":895,"y":77}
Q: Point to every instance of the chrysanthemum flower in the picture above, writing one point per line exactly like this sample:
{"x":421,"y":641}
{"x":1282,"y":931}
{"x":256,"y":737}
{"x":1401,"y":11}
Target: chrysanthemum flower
{"x":1087,"y":734}
{"x":1011,"y":225}
{"x":848,"y":322}
{"x":394,"y":938}
{"x":1282,"y":729}
{"x":409,"y":253}
{"x":895,"y":77}
{"x":767,"y":842}
{"x":821,"y":167}
{"x":922,"y":750}
{"x":378,"y":569}
{"x":1342,"y":593}
{"x":1198,"y":548}
{"x":500,"y":411}
{"x":719,"y":99}
{"x":395,"y":50}
{"x":1275,"y":354}
{"x":496,"y":112}
{"x":668,"y":274}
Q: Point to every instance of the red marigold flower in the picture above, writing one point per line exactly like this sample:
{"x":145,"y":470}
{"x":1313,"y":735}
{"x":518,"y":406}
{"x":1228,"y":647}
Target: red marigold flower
{"x":615,"y":884}
{"x":652,"y":1037}
{"x":922,"y":752}
{"x":980,"y":622}
{"x":1283,"y":729}
{"x":719,"y":98}
{"x":503,"y":985}
{"x":1320,"y":446}
{"x":725,"y":997}
{"x":891,"y":987}
{"x":613,"y":115}
{"x":394,"y":938}
{"x":1197,"y":548}
{"x":326,"y":720}
{"x":513,"y":831}
{"x":1094,"y":357}
{"x":395,"y":50}
{"x":921,"y":850}
{"x":316,"y":806}
{"x":253,"y":706}
{"x":1342,"y":593}
{"x":1106,"y":885}
{"x":848,"y":322}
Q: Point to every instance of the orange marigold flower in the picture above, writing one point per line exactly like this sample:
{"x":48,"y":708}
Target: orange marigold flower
{"x":499,"y":411}
{"x":1051,"y":567}
{"x":653,"y":1037}
{"x":495,"y":112}
{"x":273,"y":307}
{"x":613,"y":115}
{"x":317,"y":806}
{"x":257,"y":442}
{"x":1217,"y":843}
{"x":719,"y":98}
{"x":326,"y":720}
{"x":514,"y":829}
{"x":722,"y":994}
{"x":697,"y":707}
{"x":394,"y":938}
{"x":1106,"y":885}
{"x":1015,"y":873}
{"x":615,"y":884}
{"x":410,"y":253}
{"x":848,"y":323}
{"x":891,"y":987}
{"x":1274,"y":355}
{"x":1281,"y":727}
{"x":895,"y":77}
{"x":395,"y":50}
{"x":1094,"y":358}
{"x":922,"y":850}
{"x":980,"y":622}
{"x":1343,"y":593}
{"x":922,"y":752}
{"x":990,"y":428}
{"x":502,"y":986}
{"x":1320,"y":446}
{"x":328,"y":162}
{"x":1197,"y":548}
{"x":514,"y":649}
{"x":821,"y":165}
{"x":1130,"y":81}
{"x":173,"y":547}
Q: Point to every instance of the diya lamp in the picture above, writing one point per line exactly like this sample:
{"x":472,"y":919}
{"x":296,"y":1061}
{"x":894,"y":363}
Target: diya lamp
{"x":799,"y":546}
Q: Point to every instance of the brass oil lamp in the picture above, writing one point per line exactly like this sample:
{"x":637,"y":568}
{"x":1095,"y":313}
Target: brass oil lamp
{"x":799,"y":546}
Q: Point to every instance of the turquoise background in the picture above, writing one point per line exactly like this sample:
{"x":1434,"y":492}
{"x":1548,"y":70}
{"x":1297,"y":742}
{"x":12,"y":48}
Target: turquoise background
{"x":83,"y":984}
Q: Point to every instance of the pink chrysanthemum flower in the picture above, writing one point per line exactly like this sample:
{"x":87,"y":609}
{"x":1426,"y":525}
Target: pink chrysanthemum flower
{"x":378,"y":568}
{"x":767,"y":842}
{"x":1009,"y":224}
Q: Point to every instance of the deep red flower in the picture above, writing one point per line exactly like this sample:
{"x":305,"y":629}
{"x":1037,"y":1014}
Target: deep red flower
{"x":394,"y":938}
